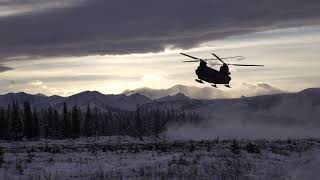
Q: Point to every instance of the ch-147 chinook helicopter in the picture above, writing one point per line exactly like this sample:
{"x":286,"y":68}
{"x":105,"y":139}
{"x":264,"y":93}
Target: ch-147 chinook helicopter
{"x":214,"y":76}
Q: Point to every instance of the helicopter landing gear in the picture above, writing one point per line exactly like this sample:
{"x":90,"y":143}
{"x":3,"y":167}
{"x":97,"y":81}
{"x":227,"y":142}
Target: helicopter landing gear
{"x":214,"y":85}
{"x":227,"y":85}
{"x":199,"y":81}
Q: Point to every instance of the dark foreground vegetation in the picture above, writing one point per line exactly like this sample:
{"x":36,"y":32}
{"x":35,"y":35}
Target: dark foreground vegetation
{"x":129,"y":158}
{"x":17,"y":122}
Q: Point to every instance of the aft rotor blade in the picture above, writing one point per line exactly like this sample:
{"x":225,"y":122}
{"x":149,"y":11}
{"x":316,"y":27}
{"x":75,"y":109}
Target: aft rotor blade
{"x":192,"y":61}
{"x":245,"y":65}
{"x":215,"y":64}
{"x":189,"y":56}
{"x":239,"y":58}
{"x":218,"y":58}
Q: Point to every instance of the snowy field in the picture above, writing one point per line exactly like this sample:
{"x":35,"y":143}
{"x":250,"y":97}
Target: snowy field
{"x":129,"y":158}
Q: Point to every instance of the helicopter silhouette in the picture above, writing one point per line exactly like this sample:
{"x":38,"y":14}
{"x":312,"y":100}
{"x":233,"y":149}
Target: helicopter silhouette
{"x":214,"y":76}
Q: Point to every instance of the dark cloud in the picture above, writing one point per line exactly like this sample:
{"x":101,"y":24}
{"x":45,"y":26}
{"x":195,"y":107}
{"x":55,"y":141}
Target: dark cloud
{"x":4,"y":68}
{"x":12,"y":7}
{"x":126,"y":26}
{"x":23,"y":7}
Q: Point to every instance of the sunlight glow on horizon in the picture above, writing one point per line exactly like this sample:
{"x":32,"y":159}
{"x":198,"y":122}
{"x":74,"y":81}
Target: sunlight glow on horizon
{"x":290,"y":56}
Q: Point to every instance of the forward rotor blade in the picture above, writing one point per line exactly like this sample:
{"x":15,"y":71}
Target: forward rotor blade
{"x":189,"y":56}
{"x":218,"y":58}
{"x":192,"y":61}
{"x":245,"y":65}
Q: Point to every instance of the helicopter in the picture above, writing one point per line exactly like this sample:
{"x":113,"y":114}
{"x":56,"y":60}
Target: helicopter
{"x":212,"y":75}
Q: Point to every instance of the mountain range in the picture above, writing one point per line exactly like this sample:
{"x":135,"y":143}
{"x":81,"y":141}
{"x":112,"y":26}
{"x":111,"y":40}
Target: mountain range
{"x":284,"y":108}
{"x":82,"y":100}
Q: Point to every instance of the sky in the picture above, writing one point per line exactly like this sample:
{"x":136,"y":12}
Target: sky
{"x":68,"y":46}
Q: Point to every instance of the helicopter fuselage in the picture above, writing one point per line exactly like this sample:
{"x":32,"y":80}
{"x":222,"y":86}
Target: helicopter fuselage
{"x":211,"y":75}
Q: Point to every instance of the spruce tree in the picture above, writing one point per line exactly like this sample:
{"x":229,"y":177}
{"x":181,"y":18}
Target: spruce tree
{"x":3,"y":127}
{"x":66,"y":122}
{"x":36,"y":129}
{"x":7,"y":117}
{"x":88,"y":122}
{"x":57,"y":128}
{"x":157,"y":123}
{"x":49,"y":118}
{"x":28,"y":126}
{"x":75,"y":122}
{"x":1,"y":156}
{"x":138,"y":126}
{"x":16,"y":124}
{"x":235,"y":148}
{"x":94,"y":122}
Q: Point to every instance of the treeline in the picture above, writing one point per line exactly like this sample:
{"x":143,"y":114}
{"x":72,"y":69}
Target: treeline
{"x":17,"y":122}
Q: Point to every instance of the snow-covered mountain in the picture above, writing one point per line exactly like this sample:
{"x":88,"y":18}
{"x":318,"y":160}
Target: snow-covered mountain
{"x":106,"y":102}
{"x":82,"y":100}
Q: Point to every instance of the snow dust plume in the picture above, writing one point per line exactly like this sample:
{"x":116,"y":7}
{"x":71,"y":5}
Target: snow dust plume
{"x":241,"y":130}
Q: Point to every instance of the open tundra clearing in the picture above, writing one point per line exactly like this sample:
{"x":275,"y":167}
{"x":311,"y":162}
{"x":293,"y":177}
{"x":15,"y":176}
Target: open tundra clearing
{"x":129,"y":158}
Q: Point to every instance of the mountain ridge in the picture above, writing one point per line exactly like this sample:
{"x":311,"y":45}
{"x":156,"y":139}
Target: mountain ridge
{"x":297,"y":108}
{"x":20,"y":96}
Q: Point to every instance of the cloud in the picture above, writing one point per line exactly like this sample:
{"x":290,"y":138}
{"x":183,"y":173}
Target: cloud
{"x":87,"y":78}
{"x":260,"y":89}
{"x":190,"y":91}
{"x":36,"y":83}
{"x":4,"y":68}
{"x":245,"y":89}
{"x":37,"y":86}
{"x":125,"y":26}
{"x":16,"y":7}
{"x":5,"y":82}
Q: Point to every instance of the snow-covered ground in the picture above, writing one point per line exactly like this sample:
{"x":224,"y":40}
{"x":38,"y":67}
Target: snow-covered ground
{"x":129,"y":158}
